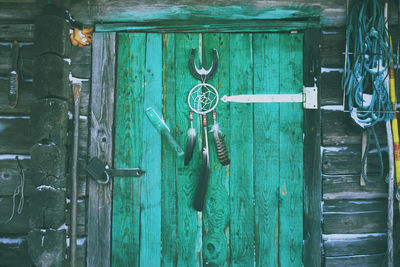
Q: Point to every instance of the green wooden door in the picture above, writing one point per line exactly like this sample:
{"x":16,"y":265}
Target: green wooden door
{"x":254,"y":207}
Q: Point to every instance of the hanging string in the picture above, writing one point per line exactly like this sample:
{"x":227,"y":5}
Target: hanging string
{"x":19,"y":190}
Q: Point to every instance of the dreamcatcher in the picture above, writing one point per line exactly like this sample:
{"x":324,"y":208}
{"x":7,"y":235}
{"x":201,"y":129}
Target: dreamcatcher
{"x":203,"y":99}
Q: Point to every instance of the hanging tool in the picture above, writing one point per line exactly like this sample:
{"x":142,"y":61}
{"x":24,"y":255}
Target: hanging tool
{"x":74,"y":197}
{"x":19,"y":190}
{"x":162,"y":128}
{"x":14,"y":77}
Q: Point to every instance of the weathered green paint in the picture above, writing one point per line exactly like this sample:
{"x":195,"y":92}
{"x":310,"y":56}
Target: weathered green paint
{"x":169,"y":190}
{"x":128,"y":148}
{"x":253,"y":208}
{"x":241,"y":144}
{"x":212,"y":25}
{"x":266,"y":152}
{"x":125,"y":11}
{"x":216,"y":211}
{"x":150,"y":213}
{"x":291,"y":153}
{"x":189,"y":223}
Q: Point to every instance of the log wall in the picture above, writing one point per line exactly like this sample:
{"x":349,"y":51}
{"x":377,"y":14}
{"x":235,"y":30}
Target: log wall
{"x":354,"y":217}
{"x":45,"y":218}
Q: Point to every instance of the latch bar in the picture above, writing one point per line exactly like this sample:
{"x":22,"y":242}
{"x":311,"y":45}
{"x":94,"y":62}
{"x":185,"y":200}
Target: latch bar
{"x":309,"y":98}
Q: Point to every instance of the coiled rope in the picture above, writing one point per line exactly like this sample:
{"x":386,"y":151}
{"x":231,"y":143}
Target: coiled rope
{"x":367,"y":60}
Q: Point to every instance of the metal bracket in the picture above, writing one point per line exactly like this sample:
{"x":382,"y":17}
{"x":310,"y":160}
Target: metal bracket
{"x":101,"y":173}
{"x":309,"y":98}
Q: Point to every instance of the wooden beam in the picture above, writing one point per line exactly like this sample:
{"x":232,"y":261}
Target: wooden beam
{"x":210,"y":26}
{"x":101,"y":136}
{"x":312,"y":156}
{"x":20,"y":32}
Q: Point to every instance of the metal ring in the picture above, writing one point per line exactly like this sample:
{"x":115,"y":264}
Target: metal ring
{"x":203,"y":97}
{"x":106,"y":181}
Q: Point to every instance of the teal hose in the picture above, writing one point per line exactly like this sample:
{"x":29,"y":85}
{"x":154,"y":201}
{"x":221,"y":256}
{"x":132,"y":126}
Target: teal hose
{"x":367,"y":63}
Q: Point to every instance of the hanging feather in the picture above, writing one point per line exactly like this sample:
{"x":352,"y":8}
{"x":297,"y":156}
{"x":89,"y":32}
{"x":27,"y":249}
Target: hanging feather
{"x":220,"y":146}
{"x":191,"y":141}
{"x":202,"y":184}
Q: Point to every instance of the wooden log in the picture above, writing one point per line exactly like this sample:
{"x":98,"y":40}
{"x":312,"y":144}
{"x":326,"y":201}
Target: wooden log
{"x":353,"y":217}
{"x":85,"y":97}
{"x":347,"y":160}
{"x":47,"y":208}
{"x":25,"y":60}
{"x":81,"y":252}
{"x":17,"y":13}
{"x":81,"y":58}
{"x":50,"y":121}
{"x":339,"y":129}
{"x":51,"y":77}
{"x":312,"y":156}
{"x":19,"y":223}
{"x":14,"y":130}
{"x":333,"y":47}
{"x":101,"y":136}
{"x":331,"y":92}
{"x":47,"y":247}
{"x":83,"y":137}
{"x":24,"y":98}
{"x":80,"y":219}
{"x":14,"y":251}
{"x":348,"y":206}
{"x":6,"y":57}
{"x":339,"y":245}
{"x":52,"y":35}
{"x":359,"y":260}
{"x":10,"y":175}
{"x":20,"y":32}
{"x":337,"y":187}
{"x":49,"y":165}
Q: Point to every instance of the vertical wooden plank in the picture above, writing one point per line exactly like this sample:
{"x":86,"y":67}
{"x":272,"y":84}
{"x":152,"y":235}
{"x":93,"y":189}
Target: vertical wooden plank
{"x":266,"y":151}
{"x":128,"y":148}
{"x":189,"y":221}
{"x":150,"y":217}
{"x":312,"y":155}
{"x":168,"y":183}
{"x":101,"y":136}
{"x":291,"y":153}
{"x":241,"y":168}
{"x":216,"y":209}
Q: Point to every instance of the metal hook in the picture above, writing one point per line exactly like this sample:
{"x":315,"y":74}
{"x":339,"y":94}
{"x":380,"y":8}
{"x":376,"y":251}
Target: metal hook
{"x":202,"y":74}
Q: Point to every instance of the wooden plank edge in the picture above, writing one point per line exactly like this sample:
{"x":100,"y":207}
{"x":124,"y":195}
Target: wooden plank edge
{"x":219,"y":26}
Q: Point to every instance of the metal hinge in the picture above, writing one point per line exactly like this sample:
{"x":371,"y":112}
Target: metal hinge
{"x":309,"y":98}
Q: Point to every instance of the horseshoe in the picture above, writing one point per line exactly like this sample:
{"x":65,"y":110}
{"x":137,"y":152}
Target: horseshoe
{"x":202,"y":74}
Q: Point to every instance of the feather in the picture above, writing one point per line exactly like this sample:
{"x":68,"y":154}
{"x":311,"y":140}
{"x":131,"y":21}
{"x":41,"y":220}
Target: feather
{"x":220,"y":146}
{"x":202,"y":184}
{"x":191,"y":141}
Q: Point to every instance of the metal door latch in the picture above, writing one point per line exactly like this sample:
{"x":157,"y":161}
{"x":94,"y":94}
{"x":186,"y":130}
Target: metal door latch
{"x":309,"y":98}
{"x":101,"y":173}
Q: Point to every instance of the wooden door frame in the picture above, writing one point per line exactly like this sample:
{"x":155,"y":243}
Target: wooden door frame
{"x":102,"y":127}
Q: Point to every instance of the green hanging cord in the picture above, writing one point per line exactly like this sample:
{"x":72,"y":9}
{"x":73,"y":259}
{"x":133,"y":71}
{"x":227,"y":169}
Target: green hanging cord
{"x":364,"y":158}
